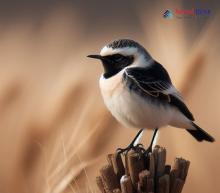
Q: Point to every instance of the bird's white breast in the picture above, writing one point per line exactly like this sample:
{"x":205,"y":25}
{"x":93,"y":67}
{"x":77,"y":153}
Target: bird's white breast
{"x":129,"y":108}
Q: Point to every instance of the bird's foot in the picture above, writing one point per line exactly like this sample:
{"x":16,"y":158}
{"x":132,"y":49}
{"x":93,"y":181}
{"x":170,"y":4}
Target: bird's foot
{"x":137,"y":148}
{"x":132,"y":145}
{"x":148,"y":150}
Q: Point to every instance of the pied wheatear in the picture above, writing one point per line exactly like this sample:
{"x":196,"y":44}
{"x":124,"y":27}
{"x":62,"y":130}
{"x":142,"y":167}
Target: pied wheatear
{"x":139,"y":93}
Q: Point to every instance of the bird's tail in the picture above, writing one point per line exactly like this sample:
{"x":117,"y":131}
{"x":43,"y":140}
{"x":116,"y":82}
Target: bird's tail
{"x":199,"y":134}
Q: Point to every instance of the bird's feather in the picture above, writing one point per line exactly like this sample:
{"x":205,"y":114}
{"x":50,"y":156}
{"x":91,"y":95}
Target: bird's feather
{"x":199,"y":134}
{"x":154,"y":83}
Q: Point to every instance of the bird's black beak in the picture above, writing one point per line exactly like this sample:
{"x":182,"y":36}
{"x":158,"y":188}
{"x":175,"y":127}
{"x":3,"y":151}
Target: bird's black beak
{"x":95,"y":56}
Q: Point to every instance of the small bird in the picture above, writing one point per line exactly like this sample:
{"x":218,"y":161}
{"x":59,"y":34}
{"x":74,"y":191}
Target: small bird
{"x":139,"y":93}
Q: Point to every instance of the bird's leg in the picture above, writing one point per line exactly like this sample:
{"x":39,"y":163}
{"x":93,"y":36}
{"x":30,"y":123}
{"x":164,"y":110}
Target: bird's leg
{"x":131,"y":145}
{"x":149,"y":149}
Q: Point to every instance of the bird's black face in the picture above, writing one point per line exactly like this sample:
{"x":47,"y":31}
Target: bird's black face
{"x":113,"y":63}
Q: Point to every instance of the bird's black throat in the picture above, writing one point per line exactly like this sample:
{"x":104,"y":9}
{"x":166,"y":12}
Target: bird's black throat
{"x":115,"y":63}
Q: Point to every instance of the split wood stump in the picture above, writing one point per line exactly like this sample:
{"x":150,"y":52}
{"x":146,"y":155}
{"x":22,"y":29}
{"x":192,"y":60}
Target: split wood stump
{"x":138,"y":173}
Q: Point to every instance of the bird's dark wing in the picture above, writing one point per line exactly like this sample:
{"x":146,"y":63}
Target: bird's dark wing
{"x":154,"y":83}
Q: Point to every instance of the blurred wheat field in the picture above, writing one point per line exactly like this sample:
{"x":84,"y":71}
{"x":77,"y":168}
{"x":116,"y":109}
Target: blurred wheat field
{"x":54,"y":128}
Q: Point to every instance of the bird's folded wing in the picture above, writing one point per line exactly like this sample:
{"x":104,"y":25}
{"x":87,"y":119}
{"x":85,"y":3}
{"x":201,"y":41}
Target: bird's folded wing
{"x":154,"y":82}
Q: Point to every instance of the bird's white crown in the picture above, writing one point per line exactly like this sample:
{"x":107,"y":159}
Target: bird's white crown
{"x":125,"y":51}
{"x":127,"y":47}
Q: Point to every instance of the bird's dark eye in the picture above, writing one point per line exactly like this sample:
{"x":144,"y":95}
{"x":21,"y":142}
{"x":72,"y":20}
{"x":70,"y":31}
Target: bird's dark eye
{"x":118,"y":57}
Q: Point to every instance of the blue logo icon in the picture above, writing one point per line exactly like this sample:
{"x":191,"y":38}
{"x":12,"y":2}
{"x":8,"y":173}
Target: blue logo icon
{"x":168,"y":14}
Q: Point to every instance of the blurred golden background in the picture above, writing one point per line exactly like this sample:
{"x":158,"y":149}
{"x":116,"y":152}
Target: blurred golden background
{"x":54,"y":128}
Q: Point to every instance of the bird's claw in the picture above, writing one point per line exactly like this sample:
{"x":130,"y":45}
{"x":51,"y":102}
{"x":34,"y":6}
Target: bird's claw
{"x":147,"y":151}
{"x":138,"y":148}
{"x":124,"y":151}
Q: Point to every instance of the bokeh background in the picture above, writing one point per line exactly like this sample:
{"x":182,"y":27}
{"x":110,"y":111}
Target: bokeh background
{"x":54,"y":129}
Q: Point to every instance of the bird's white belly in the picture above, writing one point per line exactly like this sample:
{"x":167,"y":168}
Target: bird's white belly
{"x":130,"y":109}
